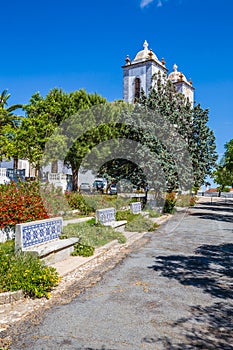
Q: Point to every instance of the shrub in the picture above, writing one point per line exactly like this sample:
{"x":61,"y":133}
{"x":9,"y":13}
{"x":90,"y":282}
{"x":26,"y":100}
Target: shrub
{"x":185,"y":200}
{"x":25,"y":271}
{"x":28,"y":201}
{"x":20,"y":202}
{"x":87,"y":204}
{"x":78,"y":201}
{"x":54,"y":200}
{"x":83,"y":250}
{"x":170,"y":202}
{"x":192,"y":201}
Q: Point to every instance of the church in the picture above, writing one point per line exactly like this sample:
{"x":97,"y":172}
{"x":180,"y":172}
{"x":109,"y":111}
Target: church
{"x":138,"y":75}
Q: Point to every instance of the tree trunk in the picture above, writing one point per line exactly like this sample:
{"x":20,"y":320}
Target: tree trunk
{"x":54,"y":167}
{"x":37,"y":168}
{"x":15,"y":164}
{"x":74,"y":179}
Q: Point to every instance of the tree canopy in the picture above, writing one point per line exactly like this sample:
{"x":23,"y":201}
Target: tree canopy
{"x":9,"y":122}
{"x":160,"y":140}
{"x":223,"y":175}
{"x":178,"y":146}
{"x":43,"y":116}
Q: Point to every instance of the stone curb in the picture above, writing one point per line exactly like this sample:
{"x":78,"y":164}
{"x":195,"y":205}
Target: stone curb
{"x":10,"y":297}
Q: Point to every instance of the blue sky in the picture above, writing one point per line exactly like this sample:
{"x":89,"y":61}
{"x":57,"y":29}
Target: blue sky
{"x":77,"y":44}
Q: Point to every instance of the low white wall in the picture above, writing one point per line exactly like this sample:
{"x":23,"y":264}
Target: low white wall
{"x":6,"y":233}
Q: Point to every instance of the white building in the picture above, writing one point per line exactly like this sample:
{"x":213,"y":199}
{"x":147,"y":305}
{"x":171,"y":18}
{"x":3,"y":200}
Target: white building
{"x":138,"y":75}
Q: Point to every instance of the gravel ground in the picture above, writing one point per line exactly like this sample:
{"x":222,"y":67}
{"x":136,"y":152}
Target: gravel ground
{"x":173,"y":291}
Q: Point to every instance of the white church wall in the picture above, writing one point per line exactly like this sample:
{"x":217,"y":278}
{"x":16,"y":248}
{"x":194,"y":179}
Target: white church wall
{"x":145,"y":72}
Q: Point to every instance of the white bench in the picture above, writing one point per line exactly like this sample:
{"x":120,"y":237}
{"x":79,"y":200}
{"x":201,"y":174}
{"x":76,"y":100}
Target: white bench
{"x":107,"y":217}
{"x":41,"y":237}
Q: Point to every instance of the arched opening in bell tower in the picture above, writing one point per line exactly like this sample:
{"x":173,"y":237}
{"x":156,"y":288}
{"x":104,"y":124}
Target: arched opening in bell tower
{"x":137,"y":88}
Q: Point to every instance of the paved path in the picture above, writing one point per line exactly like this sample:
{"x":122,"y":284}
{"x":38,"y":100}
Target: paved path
{"x":174,"y":293}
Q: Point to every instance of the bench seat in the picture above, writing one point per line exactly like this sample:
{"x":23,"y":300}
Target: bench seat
{"x":54,"y":250}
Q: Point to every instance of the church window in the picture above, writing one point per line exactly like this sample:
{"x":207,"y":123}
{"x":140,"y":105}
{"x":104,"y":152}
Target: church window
{"x":137,"y":88}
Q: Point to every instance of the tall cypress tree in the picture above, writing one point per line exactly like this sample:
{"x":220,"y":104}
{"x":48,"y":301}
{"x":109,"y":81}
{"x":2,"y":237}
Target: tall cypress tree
{"x":175,"y":114}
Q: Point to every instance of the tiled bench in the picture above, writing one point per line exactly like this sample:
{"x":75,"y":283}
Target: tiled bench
{"x":107,"y":217}
{"x":42,"y":238}
{"x":136,"y":207}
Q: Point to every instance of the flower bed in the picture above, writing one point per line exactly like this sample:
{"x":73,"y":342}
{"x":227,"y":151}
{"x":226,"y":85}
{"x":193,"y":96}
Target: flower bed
{"x":28,"y":201}
{"x":26,"y":272}
{"x":19,"y":203}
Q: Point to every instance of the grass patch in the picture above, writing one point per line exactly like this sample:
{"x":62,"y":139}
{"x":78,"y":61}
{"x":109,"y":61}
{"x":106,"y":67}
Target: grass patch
{"x":141,"y":224}
{"x":153,"y":213}
{"x":137,"y":222}
{"x":125,"y":215}
{"x":25,"y":271}
{"x":76,"y":215}
{"x":92,"y":234}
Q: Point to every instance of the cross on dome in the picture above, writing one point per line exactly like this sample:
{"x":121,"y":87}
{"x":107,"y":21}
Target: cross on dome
{"x":145,"y":45}
{"x":145,"y":55}
{"x":175,"y":67}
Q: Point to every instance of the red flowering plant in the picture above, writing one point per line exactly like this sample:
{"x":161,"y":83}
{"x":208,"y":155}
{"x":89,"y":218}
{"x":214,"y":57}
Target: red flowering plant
{"x":20,"y":202}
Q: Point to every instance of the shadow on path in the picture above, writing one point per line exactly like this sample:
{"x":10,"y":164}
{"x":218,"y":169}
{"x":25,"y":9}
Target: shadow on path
{"x":84,"y":348}
{"x":211,"y":269}
{"x":214,"y":216}
{"x":214,"y":207}
{"x":209,"y":328}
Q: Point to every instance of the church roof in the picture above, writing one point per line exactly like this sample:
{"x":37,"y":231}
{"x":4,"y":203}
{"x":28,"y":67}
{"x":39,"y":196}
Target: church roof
{"x":145,"y":54}
{"x":177,"y":76}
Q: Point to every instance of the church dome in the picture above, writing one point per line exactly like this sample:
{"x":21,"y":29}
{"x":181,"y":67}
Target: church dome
{"x":145,"y":54}
{"x":176,"y":76}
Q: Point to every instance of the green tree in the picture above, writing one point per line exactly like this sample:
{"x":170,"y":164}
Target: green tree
{"x":223,"y":175}
{"x":189,"y":123}
{"x":9,"y":122}
{"x":87,"y":129}
{"x":35,"y":130}
{"x":43,"y":117}
{"x":228,"y":156}
{"x":202,"y":146}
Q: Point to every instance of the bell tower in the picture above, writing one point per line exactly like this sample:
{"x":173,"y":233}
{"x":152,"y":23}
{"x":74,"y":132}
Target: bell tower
{"x":138,"y":73}
{"x":182,"y":85}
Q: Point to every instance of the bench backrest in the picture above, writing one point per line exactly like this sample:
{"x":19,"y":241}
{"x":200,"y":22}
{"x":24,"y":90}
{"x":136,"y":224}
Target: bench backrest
{"x":37,"y":232}
{"x":106,"y":215}
{"x":136,"y":207}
